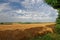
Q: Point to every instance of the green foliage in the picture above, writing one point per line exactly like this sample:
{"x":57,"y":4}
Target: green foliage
{"x":54,"y":3}
{"x":57,"y":37}
{"x":48,"y":36}
{"x":59,"y":14}
{"x":51,"y":2}
{"x":58,"y":21}
{"x":57,"y":28}
{"x":45,"y":37}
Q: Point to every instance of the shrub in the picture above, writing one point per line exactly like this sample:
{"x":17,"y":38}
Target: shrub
{"x":57,"y":28}
{"x":45,"y":37}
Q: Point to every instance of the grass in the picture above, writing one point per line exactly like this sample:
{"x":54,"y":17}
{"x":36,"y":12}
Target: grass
{"x":45,"y":37}
{"x":16,"y":33}
{"x":49,"y":36}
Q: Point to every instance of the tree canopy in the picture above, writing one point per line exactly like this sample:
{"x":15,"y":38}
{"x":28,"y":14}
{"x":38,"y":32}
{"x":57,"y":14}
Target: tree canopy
{"x":54,"y":3}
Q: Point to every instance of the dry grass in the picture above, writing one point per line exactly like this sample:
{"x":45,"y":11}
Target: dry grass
{"x":23,"y":26}
{"x":24,"y":31}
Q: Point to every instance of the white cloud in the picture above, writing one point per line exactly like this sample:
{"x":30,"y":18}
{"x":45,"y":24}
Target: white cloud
{"x":14,"y":0}
{"x":3,"y":6}
{"x":36,"y":11}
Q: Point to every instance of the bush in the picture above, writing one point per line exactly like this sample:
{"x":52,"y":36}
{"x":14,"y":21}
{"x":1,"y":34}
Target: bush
{"x":45,"y":37}
{"x":57,"y":28}
{"x":58,"y":21}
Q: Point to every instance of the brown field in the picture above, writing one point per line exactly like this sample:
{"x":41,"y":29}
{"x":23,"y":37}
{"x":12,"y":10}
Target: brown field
{"x":23,"y":26}
{"x":25,"y":31}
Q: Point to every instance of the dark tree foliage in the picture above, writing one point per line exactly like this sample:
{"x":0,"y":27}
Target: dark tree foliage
{"x":54,"y":3}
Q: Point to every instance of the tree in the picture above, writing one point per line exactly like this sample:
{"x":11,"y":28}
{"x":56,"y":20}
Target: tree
{"x":54,"y":3}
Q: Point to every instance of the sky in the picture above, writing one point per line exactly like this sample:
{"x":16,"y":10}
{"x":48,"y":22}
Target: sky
{"x":26,"y":11}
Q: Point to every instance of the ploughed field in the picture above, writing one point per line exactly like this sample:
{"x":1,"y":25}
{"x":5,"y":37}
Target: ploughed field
{"x":25,"y":31}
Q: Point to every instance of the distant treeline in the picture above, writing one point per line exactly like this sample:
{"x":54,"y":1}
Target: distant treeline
{"x":6,"y":23}
{"x":18,"y":22}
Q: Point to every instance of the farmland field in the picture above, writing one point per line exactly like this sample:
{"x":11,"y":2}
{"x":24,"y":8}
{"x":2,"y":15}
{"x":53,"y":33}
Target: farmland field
{"x":17,"y":31}
{"x":23,"y":26}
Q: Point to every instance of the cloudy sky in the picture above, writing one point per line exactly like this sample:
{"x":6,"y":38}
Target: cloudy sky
{"x":26,"y":11}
